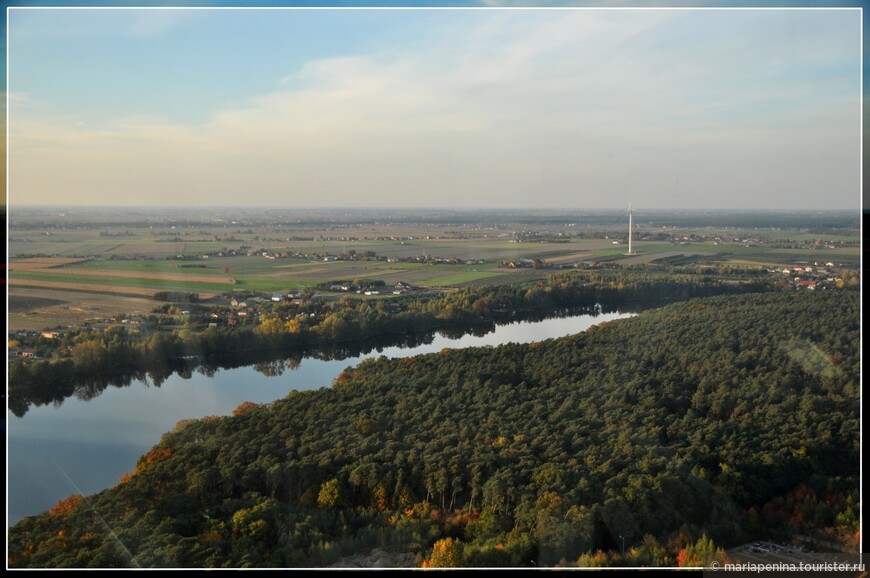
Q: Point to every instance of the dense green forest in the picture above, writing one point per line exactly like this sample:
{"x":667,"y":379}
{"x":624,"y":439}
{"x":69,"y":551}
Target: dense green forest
{"x":85,"y":361}
{"x":654,"y":440}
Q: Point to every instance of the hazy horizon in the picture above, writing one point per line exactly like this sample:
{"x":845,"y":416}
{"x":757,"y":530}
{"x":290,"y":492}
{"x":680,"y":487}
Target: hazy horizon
{"x":421,"y":208}
{"x":444,"y":109}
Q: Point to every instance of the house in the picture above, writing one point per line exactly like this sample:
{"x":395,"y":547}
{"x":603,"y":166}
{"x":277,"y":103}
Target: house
{"x":50,"y":334}
{"x":807,"y":284}
{"x":277,"y":297}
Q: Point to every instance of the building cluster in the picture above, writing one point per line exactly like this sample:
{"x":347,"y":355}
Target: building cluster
{"x":809,"y":276}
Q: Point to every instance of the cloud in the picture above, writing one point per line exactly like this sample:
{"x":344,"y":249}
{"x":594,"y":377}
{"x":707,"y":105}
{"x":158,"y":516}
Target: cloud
{"x":541,"y":108}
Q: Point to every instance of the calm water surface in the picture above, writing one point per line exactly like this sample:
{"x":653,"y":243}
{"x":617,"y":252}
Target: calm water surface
{"x":86,"y":446}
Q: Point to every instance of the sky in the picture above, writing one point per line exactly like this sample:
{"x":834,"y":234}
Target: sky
{"x":451,"y":107}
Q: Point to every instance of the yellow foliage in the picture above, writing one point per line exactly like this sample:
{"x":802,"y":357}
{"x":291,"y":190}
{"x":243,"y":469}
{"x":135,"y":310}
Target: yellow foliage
{"x":499,"y":441}
{"x":447,"y":553}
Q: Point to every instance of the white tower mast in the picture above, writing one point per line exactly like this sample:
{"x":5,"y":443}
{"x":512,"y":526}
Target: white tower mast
{"x":630,"y":226}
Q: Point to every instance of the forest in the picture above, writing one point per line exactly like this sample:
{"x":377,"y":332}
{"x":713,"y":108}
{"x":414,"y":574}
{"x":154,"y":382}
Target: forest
{"x":658,"y":440}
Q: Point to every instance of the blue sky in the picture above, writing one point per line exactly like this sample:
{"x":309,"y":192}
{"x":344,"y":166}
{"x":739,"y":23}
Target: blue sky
{"x":459,"y":108}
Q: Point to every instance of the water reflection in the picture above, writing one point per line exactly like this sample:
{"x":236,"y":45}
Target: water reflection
{"x":273,"y":363}
{"x":84,"y":440}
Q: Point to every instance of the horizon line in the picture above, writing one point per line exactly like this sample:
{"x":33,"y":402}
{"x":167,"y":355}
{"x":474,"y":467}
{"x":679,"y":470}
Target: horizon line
{"x":423,"y":208}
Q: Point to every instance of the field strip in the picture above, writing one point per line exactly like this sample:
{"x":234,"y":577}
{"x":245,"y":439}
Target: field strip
{"x":83,"y":288}
{"x":642,"y":257}
{"x":95,"y":289}
{"x":108,"y":249}
{"x":37,"y":263}
{"x":458,"y":278}
{"x":585,"y":255}
{"x":156,"y":276}
{"x":155,"y":284}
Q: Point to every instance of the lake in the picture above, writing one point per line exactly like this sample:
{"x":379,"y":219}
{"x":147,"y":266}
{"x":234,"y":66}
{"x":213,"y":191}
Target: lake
{"x":85,"y":446}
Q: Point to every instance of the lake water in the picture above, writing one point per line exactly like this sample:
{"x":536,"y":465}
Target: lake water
{"x":86,"y":446}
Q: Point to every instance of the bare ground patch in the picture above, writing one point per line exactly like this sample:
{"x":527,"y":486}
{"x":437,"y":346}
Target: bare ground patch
{"x":51,"y":307}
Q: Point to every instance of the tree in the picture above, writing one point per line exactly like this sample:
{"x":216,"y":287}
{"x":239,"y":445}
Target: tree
{"x":330,"y":495}
{"x":446,"y":553}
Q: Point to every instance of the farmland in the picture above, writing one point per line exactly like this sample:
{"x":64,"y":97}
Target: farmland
{"x":91,"y":264}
